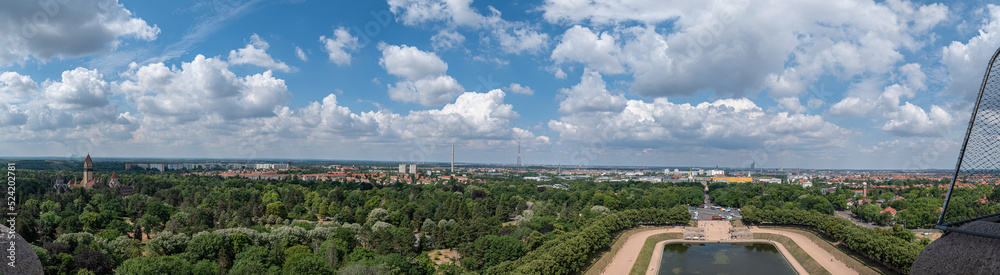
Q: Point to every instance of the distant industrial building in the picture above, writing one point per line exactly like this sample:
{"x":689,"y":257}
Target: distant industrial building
{"x":767,"y":180}
{"x":157,"y":166}
{"x":271,"y":166}
{"x":190,"y":166}
{"x":538,"y":178}
{"x":695,"y":172}
{"x":732,"y":179}
{"x":714,"y":173}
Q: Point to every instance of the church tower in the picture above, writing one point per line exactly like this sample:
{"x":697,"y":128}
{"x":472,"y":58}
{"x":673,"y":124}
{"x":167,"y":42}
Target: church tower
{"x":88,"y":170}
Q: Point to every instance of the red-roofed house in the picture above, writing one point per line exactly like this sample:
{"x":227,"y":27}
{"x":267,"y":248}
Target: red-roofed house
{"x":888,"y":210}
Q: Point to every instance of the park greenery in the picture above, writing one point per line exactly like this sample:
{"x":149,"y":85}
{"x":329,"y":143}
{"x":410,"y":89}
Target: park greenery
{"x":189,"y":224}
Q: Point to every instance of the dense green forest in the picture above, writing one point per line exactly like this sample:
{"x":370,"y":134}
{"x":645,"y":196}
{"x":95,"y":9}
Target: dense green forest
{"x":183,"y":224}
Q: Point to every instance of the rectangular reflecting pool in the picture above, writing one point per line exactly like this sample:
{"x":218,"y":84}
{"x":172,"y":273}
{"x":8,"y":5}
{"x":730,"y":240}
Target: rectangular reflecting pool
{"x":715,"y":258}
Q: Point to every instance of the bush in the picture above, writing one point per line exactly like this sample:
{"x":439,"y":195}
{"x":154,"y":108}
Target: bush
{"x":155,"y":265}
{"x":43,"y":255}
{"x":205,"y":267}
{"x":168,"y":243}
{"x":304,"y":225}
{"x":109,"y":234}
{"x":600,"y":209}
{"x":256,"y":254}
{"x":92,"y":260}
{"x":206,"y":246}
{"x":305,"y":264}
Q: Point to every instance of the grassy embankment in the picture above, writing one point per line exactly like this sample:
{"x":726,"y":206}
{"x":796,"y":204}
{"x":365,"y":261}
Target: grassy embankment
{"x":646,"y":254}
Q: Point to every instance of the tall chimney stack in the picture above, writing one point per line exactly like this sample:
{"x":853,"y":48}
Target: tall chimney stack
{"x":518,"y":151}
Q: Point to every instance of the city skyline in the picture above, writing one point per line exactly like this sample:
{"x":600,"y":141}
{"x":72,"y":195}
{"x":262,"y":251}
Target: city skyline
{"x":811,"y":84}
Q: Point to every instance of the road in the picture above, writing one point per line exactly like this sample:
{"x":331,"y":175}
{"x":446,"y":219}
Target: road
{"x":850,"y":216}
{"x":706,"y":214}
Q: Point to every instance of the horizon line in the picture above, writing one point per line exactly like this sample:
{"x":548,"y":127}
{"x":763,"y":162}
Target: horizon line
{"x":466,"y":163}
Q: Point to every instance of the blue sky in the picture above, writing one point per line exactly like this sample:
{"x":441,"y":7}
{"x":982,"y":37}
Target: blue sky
{"x":811,"y":84}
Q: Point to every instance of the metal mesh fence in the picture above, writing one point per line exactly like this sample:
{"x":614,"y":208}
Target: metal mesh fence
{"x":971,"y":195}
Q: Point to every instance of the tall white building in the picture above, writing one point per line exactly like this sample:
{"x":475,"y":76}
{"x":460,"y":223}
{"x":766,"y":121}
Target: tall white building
{"x":413,"y":168}
{"x":158,"y":166}
{"x":402,"y":168}
{"x":271,"y":166}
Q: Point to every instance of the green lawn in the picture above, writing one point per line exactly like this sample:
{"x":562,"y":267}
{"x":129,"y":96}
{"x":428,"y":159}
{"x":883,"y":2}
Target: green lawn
{"x":646,"y":254}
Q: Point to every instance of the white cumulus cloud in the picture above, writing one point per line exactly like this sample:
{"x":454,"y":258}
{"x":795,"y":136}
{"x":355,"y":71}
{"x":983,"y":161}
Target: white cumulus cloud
{"x":902,"y":118}
{"x":338,"y":45}
{"x":520,"y":89}
{"x":730,"y":125}
{"x":410,"y":62}
{"x":255,"y":54}
{"x":79,"y":89}
{"x":66,"y":29}
{"x":428,"y":91}
{"x":446,"y":39}
{"x":598,"y":52}
{"x":590,"y":95}
{"x":966,"y":62}
{"x":734,"y":47}
{"x":301,"y":54}
{"x":423,"y":75}
{"x":15,"y":88}
{"x":203,"y":88}
{"x":514,"y":37}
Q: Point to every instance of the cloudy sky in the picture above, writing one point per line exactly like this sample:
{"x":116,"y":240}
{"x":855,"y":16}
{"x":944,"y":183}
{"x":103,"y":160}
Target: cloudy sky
{"x":801,"y":83}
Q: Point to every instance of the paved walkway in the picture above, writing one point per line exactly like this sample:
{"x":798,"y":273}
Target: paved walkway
{"x":821,"y":256}
{"x":716,"y":230}
{"x":623,"y":261}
